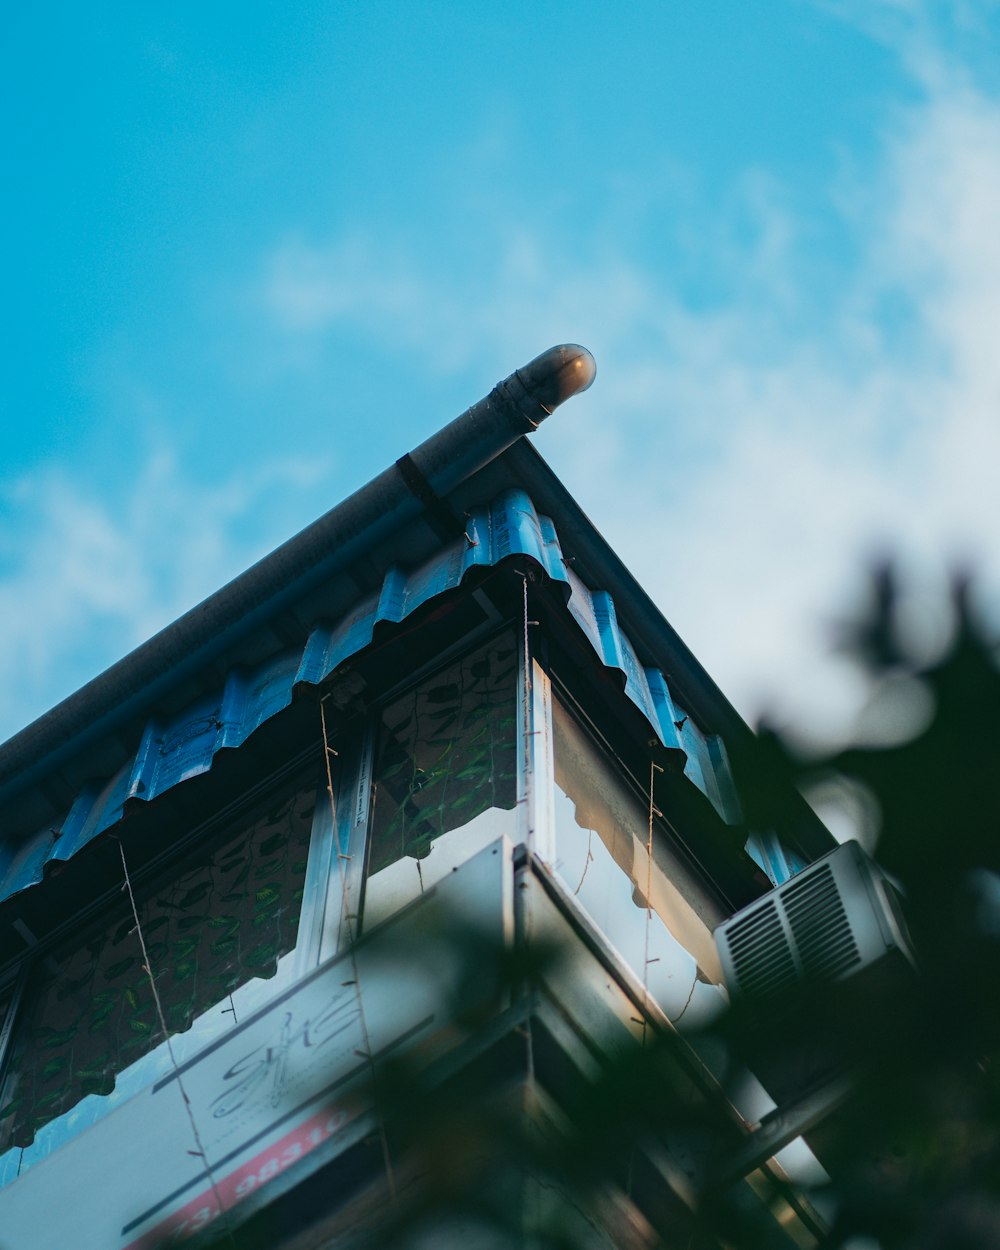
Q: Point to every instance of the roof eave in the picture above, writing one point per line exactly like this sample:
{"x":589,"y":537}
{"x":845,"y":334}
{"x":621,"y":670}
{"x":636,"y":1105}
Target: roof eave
{"x":398,"y":496}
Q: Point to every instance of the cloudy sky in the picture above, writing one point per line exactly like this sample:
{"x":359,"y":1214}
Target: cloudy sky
{"x":257,"y":251}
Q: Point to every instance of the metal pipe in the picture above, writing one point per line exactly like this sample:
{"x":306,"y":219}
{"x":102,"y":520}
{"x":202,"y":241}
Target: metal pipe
{"x":515,"y":406}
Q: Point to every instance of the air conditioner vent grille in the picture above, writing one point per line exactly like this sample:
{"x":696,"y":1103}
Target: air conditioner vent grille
{"x":760,"y":951}
{"x":800,"y":931}
{"x":820,"y":927}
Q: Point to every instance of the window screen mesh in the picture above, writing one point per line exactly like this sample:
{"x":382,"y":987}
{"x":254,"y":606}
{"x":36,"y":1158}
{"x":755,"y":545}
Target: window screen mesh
{"x":222,"y":920}
{"x":447,"y":753}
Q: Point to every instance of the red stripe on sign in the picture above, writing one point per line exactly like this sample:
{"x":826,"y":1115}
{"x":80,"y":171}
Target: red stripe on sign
{"x":227,"y":1192}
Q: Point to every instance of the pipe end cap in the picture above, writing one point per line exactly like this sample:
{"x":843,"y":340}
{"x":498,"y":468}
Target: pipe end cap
{"x":557,"y":375}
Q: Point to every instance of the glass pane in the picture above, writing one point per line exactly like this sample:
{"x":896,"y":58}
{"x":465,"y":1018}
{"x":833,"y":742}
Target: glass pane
{"x":601,"y":856}
{"x":445,"y":775}
{"x":218,"y":935}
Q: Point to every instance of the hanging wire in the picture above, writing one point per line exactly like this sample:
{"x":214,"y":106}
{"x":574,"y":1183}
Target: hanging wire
{"x":526,"y":713}
{"x":347,"y":920}
{"x":147,"y":967}
{"x":586,"y":863}
{"x":653,"y":811}
{"x":527,"y":671}
{"x":688,"y":1000}
{"x":527,"y":1031}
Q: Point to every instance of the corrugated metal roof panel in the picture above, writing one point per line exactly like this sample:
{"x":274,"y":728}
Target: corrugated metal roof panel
{"x":184,"y":745}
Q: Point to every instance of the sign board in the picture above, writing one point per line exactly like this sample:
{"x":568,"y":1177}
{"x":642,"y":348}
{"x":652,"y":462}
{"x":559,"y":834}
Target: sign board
{"x":264,"y":1096}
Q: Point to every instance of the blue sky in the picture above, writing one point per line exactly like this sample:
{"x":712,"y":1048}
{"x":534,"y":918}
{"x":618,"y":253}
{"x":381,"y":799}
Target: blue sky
{"x":256,"y":252}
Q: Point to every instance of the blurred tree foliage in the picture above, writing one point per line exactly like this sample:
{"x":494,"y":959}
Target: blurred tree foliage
{"x":913,"y":1151}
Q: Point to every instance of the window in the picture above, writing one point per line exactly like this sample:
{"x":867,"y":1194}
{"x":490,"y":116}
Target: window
{"x":220,"y":933}
{"x":232,"y":922}
{"x":635,"y":898}
{"x":445,"y":778}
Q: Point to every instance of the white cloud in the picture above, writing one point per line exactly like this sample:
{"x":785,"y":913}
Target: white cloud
{"x":87,"y":578}
{"x":744,"y":456}
{"x":745,"y":460}
{"x":308,"y":288}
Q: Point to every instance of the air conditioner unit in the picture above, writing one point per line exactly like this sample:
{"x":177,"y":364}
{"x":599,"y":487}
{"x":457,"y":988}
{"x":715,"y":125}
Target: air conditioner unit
{"x":840,"y":917}
{"x":837,"y":916}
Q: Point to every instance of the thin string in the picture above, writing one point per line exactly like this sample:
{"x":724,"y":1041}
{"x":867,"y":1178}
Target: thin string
{"x":147,"y":967}
{"x":586,"y":863}
{"x":526,"y":722}
{"x":527,"y":672}
{"x":347,"y":918}
{"x":653,"y":811}
{"x":526,"y":710}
